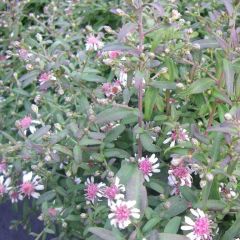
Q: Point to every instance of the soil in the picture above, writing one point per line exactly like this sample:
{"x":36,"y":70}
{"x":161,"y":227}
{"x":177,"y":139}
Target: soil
{"x":7,"y":215}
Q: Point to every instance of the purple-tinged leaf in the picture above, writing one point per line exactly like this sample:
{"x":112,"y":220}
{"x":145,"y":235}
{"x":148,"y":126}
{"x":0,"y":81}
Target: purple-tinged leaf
{"x":223,"y":129}
{"x":214,"y":15}
{"x":196,"y":133}
{"x":229,"y":6}
{"x":222,"y":43}
{"x":126,"y":30}
{"x":229,"y":76}
{"x":120,"y":47}
{"x":225,"y":161}
{"x":234,"y":38}
{"x":104,"y":234}
{"x":159,"y":9}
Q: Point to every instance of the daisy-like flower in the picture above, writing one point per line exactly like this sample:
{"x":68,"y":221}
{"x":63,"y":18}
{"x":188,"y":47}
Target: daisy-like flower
{"x":179,"y":176}
{"x":122,"y":213}
{"x":30,"y":185}
{"x":114,"y":191}
{"x":27,"y":123}
{"x":148,"y":166}
{"x":93,"y":43}
{"x":177,"y":136}
{"x":45,"y":77}
{"x":200,"y":226}
{"x":93,"y":190}
{"x":111,"y":89}
{"x":15,"y":196}
{"x":4,"y":185}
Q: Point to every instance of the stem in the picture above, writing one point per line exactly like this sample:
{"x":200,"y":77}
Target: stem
{"x":140,"y":86}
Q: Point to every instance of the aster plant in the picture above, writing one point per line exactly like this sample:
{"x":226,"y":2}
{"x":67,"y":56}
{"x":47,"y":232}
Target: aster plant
{"x":121,"y":118}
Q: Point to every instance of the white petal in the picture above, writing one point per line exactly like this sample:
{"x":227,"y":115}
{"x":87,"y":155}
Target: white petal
{"x":201,"y":213}
{"x":172,"y":144}
{"x":131,"y":203}
{"x":135,"y":215}
{"x":194,"y":212}
{"x":167,"y":140}
{"x":35,"y":195}
{"x":7,"y":182}
{"x":1,"y":179}
{"x":27,"y":177}
{"x":189,"y":221}
{"x":191,"y":235}
{"x":186,"y":228}
{"x":39,"y":187}
{"x":111,"y":215}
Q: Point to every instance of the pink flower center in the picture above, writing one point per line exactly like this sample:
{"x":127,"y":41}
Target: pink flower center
{"x":202,"y":226}
{"x":92,"y":190}
{"x":174,"y":135}
{"x":111,"y":192}
{"x":2,"y":189}
{"x":182,"y":136}
{"x":113,"y":54}
{"x":92,"y":40}
{"x":145,"y":166}
{"x":180,"y":172}
{"x":27,"y":188}
{"x":25,"y":122}
{"x":122,"y":213}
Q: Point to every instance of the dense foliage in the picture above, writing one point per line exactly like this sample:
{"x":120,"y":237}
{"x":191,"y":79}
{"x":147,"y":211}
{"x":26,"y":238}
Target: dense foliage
{"x":121,"y":119}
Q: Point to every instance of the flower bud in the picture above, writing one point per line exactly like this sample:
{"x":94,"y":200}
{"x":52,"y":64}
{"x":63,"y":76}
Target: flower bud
{"x":209,"y":177}
{"x":228,"y":116}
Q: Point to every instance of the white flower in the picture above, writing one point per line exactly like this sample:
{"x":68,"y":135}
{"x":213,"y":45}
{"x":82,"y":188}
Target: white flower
{"x":113,"y":192}
{"x":148,"y":166}
{"x":123,"y":77}
{"x":200,"y":227}
{"x":15,"y":196}
{"x":77,"y":180}
{"x":122,"y":212}
{"x":30,"y":186}
{"x":4,"y":185}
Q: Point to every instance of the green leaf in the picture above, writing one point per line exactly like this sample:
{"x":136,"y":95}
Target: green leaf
{"x":104,"y":234}
{"x":229,"y":76}
{"x":63,"y":149}
{"x":47,"y":196}
{"x":86,"y":142}
{"x":173,"y":225}
{"x":114,"y":114}
{"x":151,"y":224}
{"x":28,"y":78}
{"x":149,"y":102}
{"x":147,"y":143}
{"x":169,"y":236}
{"x":73,"y":218}
{"x":77,"y":154}
{"x":114,"y":133}
{"x":199,"y":86}
{"x":89,"y":77}
{"x":116,"y":152}
{"x":188,"y":194}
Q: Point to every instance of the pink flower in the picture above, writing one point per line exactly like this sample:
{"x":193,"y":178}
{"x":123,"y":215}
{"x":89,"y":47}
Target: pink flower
{"x":25,"y":122}
{"x":179,"y":176}
{"x":200,"y":227}
{"x":52,"y":212}
{"x":177,"y":136}
{"x":111,"y":89}
{"x":148,"y":166}
{"x":93,"y":190}
{"x":122,"y":213}
{"x":113,"y":54}
{"x":4,"y":185}
{"x":113,"y":192}
{"x":30,"y":186}
{"x":93,"y":43}
{"x":45,"y":77}
{"x":15,"y":196}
